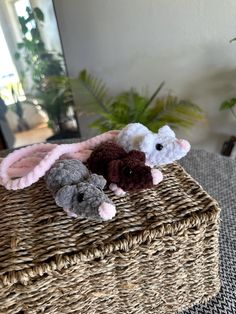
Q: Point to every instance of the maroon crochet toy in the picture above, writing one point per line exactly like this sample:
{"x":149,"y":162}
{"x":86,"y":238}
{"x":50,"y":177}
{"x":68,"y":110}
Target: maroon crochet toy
{"x":123,"y":171}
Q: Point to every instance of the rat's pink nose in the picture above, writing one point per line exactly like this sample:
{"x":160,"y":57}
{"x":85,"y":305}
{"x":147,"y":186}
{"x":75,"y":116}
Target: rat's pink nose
{"x":184,"y":144}
{"x":107,"y":211}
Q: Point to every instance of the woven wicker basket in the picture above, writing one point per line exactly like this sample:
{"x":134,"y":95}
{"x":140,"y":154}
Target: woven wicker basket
{"x":159,"y":255}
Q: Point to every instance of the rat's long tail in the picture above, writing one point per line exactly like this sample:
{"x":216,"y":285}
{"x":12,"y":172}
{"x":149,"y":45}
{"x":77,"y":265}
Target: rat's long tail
{"x":26,"y":165}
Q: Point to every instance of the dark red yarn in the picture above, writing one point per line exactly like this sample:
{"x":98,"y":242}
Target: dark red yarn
{"x":127,"y":170}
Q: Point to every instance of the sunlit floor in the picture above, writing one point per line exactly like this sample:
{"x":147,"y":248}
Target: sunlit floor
{"x":36,"y":135}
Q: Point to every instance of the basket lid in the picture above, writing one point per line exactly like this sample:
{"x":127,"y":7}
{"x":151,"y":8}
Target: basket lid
{"x":36,"y":236}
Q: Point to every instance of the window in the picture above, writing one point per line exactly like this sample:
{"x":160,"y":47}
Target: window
{"x":8,"y":75}
{"x":21,"y":10}
{"x":20,"y":7}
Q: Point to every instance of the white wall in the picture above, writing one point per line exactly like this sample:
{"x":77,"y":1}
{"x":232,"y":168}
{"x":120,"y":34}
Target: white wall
{"x":142,"y":42}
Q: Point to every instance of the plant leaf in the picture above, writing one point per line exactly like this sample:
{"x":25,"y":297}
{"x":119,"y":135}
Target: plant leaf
{"x":152,"y":97}
{"x":102,"y":125}
{"x":174,"y":112}
{"x":89,"y":92}
{"x":17,"y":55}
{"x":228,"y":104}
{"x":35,"y":33}
{"x":156,"y":109}
{"x":39,"y":14}
{"x":22,"y":21}
{"x":134,"y":102}
{"x":20,"y":45}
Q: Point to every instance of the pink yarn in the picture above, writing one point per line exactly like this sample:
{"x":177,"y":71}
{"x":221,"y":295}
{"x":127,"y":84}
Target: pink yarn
{"x":26,"y":165}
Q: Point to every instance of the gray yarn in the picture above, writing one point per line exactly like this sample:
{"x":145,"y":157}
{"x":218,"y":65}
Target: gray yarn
{"x":97,"y":180}
{"x":65,"y":172}
{"x":68,"y":197}
{"x":75,"y":189}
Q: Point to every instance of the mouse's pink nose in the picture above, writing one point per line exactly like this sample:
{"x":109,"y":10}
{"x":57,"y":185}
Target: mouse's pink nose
{"x":107,"y":211}
{"x":184,"y":144}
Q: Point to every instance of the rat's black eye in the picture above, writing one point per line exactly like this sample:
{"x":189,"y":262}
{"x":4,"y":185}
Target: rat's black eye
{"x":128,"y":172}
{"x":80,"y":197}
{"x":159,"y":146}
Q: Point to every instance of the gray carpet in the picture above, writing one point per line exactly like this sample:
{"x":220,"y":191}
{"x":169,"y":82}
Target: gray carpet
{"x":217,"y":175}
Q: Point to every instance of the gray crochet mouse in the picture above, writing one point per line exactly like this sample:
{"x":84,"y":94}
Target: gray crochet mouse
{"x":79,"y":192}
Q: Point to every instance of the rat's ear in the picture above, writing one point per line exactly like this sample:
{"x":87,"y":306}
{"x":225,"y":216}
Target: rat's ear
{"x":97,"y":180}
{"x":114,"y":169}
{"x":135,"y":154}
{"x":146,"y":145}
{"x":166,"y":131}
{"x":64,"y":196}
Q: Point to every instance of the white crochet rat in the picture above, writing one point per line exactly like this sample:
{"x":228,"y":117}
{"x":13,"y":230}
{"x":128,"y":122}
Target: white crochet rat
{"x":160,"y":148}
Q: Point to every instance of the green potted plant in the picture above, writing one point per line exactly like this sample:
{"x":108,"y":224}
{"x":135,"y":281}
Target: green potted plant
{"x":228,"y":146}
{"x":131,"y":106}
{"x":229,"y":104}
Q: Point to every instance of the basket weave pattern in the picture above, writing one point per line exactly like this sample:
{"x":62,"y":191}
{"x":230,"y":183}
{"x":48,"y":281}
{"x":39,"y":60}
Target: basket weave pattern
{"x":159,"y":255}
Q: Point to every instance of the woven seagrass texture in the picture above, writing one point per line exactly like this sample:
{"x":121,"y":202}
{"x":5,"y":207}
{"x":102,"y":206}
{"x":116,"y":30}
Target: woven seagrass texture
{"x":159,"y":255}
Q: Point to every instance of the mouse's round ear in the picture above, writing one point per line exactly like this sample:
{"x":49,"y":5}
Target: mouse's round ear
{"x":114,"y":171}
{"x":166,"y":131}
{"x":64,"y":197}
{"x":136,"y":154}
{"x":97,"y":180}
{"x":146,"y":145}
